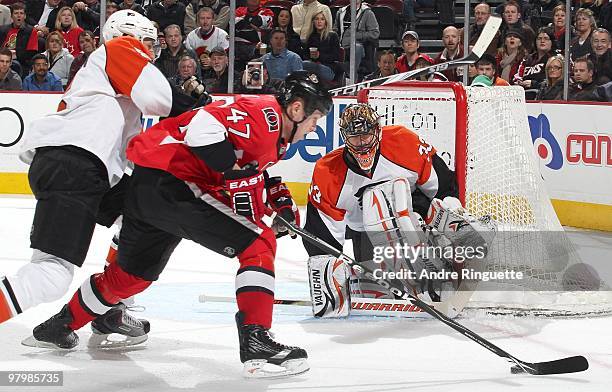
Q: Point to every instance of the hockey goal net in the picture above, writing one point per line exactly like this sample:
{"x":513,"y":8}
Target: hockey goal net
{"x":483,"y":134}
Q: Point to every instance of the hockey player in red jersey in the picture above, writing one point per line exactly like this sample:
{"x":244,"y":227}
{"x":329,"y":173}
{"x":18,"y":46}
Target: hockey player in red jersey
{"x":77,"y":157}
{"x":375,"y":189}
{"x":202,"y":176}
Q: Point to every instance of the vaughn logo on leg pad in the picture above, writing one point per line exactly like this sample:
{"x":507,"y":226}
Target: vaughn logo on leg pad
{"x":328,"y":277}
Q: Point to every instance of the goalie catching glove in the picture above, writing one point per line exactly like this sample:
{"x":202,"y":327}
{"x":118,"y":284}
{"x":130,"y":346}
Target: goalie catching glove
{"x":453,"y":225}
{"x":283,"y":204}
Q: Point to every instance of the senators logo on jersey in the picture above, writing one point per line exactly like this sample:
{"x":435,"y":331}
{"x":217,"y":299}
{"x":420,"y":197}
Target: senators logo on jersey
{"x":272,"y":120}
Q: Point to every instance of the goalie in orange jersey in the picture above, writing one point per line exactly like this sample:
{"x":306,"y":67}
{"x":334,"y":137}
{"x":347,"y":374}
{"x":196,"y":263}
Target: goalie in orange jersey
{"x":375,"y":191}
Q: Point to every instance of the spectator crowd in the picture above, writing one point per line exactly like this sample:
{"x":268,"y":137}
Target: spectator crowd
{"x":43,"y":43}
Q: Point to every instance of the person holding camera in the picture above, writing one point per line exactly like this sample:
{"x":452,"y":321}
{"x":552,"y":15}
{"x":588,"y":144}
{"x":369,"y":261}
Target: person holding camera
{"x":187,"y":68}
{"x":256,"y":80}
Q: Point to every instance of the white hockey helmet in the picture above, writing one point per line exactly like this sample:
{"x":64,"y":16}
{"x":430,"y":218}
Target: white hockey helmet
{"x":128,"y":22}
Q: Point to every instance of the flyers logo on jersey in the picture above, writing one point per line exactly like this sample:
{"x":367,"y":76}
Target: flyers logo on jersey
{"x":272,"y":119}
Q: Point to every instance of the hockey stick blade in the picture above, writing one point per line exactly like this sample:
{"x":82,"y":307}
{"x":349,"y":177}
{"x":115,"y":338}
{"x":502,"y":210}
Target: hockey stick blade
{"x":484,"y":40}
{"x":560,"y":366}
{"x":565,"y":365}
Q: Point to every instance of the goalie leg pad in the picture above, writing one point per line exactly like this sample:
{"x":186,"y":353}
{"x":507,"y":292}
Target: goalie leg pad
{"x":387,"y":214}
{"x":329,"y":286}
{"x":390,"y":223}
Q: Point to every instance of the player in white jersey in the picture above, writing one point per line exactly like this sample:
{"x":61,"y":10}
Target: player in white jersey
{"x":374,"y":190}
{"x":77,"y":157}
{"x":207,"y":36}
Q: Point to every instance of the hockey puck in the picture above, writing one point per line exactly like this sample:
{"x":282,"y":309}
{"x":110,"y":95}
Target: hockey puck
{"x":516,"y":369}
{"x":581,"y":277}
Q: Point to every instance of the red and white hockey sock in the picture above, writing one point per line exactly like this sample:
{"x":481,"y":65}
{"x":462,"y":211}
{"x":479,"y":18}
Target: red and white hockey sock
{"x":111,"y":257}
{"x":9,"y":307}
{"x":102,"y":291}
{"x":255,"y":280}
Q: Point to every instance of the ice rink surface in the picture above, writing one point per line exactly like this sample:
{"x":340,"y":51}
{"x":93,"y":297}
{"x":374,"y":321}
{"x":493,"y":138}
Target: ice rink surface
{"x":193,"y":346}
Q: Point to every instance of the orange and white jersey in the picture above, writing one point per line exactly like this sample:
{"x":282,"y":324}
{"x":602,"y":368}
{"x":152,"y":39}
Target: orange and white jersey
{"x":338,"y":184}
{"x":101,"y":110}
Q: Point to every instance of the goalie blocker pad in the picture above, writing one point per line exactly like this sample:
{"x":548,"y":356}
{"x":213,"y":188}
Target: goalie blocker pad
{"x":329,"y":286}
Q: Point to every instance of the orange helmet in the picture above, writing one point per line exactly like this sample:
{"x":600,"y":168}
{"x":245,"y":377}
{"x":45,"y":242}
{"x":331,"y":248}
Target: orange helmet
{"x":361,"y":131}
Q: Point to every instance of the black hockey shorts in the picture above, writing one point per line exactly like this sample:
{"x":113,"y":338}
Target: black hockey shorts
{"x":362,"y":246}
{"x":73,"y":193}
{"x":161,"y":209}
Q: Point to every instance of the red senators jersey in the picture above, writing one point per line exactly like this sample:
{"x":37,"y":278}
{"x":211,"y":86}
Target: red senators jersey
{"x":337,"y":184}
{"x":252,"y":124}
{"x":100,"y":111}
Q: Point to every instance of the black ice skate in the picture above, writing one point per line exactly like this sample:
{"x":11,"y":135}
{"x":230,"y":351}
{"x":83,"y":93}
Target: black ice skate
{"x":132,"y":331}
{"x":54,"y":333}
{"x":265,"y":358}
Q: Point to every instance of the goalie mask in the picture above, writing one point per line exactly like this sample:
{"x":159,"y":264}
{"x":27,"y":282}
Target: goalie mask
{"x":360,"y":129}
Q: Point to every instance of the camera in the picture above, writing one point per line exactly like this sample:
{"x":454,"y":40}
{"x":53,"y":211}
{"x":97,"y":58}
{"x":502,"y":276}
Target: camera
{"x":193,"y":87}
{"x":254,"y":75}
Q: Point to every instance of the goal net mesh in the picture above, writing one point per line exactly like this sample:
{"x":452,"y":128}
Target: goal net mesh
{"x":501,"y":179}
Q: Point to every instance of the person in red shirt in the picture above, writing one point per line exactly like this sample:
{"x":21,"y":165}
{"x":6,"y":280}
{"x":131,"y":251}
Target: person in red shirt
{"x":66,"y":24}
{"x":202,"y":176}
{"x":407,"y":61}
{"x":20,"y":38}
{"x":452,"y":51}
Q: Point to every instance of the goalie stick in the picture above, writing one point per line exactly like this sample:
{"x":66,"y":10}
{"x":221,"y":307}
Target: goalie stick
{"x":359,"y":306}
{"x":484,"y":40}
{"x":559,"y":366}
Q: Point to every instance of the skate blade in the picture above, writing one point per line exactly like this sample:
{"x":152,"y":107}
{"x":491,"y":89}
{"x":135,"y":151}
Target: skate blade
{"x":114,"y":341}
{"x":263,"y":369}
{"x":32,"y":342}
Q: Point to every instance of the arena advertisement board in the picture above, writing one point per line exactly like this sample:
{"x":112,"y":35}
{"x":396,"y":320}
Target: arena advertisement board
{"x":573,"y":141}
{"x":17,"y":110}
